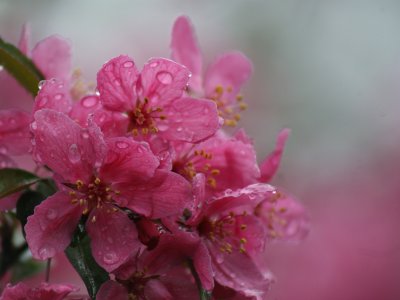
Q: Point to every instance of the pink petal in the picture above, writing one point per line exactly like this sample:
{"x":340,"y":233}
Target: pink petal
{"x":52,"y":56}
{"x":165,"y":194}
{"x":112,"y":290}
{"x":16,"y":292}
{"x":285,"y":218}
{"x":24,"y":39}
{"x":229,"y":70}
{"x":82,"y":109}
{"x":116,"y":83}
{"x":162,"y":81}
{"x":128,"y":160}
{"x":239,"y":272}
{"x":14,"y":132}
{"x":202,"y":264}
{"x":113,"y":237}
{"x":190,"y":120}
{"x":50,"y":228}
{"x":51,"y":291}
{"x":271,"y":163}
{"x":53,"y":94}
{"x":186,"y":51}
{"x":154,"y":289}
{"x":65,"y":147}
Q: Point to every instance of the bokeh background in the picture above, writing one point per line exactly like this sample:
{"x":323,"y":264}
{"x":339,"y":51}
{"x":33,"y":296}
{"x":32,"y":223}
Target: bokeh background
{"x":330,"y":70}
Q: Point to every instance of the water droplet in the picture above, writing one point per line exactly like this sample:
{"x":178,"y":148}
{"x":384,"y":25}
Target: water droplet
{"x":117,"y":82}
{"x":164,"y":77}
{"x":85,"y":135}
{"x":128,"y":64}
{"x":89,"y":102}
{"x":46,"y":252}
{"x":41,"y":84}
{"x":110,"y":258}
{"x":43,"y":101}
{"x":34,"y":125}
{"x":154,"y":64}
{"x":73,"y":154}
{"x":58,"y":96}
{"x":1,"y":68}
{"x":51,"y":214}
{"x":122,"y":145}
{"x":3,"y":149}
{"x":220,"y":258}
{"x":179,"y":129}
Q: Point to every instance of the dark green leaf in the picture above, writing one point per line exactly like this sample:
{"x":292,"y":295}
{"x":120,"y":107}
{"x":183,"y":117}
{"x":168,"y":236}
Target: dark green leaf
{"x":203,"y":294}
{"x":20,"y":67}
{"x":46,"y":187}
{"x":80,"y":256}
{"x":15,"y":180}
{"x":26,"y":205}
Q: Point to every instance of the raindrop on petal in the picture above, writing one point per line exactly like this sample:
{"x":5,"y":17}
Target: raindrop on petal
{"x":121,"y":145}
{"x":164,"y":77}
{"x":41,"y":83}
{"x":110,"y":258}
{"x":128,"y":64}
{"x":89,"y":102}
{"x":73,"y":154}
{"x":51,"y":214}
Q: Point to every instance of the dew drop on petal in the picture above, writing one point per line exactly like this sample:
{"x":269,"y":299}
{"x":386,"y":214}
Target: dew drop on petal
{"x":121,"y":145}
{"x":46,"y":252}
{"x":97,"y":92}
{"x":42,"y":101}
{"x":51,"y":214}
{"x":179,"y":129}
{"x":164,"y":77}
{"x":89,"y":102}
{"x":128,"y":64}
{"x":41,"y":83}
{"x":220,"y":258}
{"x":117,"y":82}
{"x":73,"y":154}
{"x":1,"y":68}
{"x":85,"y":135}
{"x":110,"y":258}
{"x":154,"y":64}
{"x":58,"y":96}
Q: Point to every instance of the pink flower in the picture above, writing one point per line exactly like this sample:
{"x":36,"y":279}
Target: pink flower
{"x":97,"y":178}
{"x":224,"y":77}
{"x":152,"y":100}
{"x":44,"y":292}
{"x":161,"y":273}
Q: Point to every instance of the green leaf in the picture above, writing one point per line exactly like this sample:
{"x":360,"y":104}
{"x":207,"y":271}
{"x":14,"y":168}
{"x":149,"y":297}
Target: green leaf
{"x":15,"y":180}
{"x":26,"y":205}
{"x":203,"y":293}
{"x":80,"y":256}
{"x":46,"y":187}
{"x":20,"y":67}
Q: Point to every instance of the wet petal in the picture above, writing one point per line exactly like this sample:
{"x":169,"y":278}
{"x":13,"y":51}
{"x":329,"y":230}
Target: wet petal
{"x":112,"y":290}
{"x":190,"y":120}
{"x":48,"y":291}
{"x":162,"y":81}
{"x":271,"y":163}
{"x":53,"y":94}
{"x":14,"y":132}
{"x":116,"y":83}
{"x":229,"y":70}
{"x":65,"y":147}
{"x":52,"y":55}
{"x":113,"y":237}
{"x":49,"y":230}
{"x":186,"y":51}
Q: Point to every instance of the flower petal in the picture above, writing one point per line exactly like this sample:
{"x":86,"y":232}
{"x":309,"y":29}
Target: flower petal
{"x":51,"y":291}
{"x":186,"y":51}
{"x":165,"y":194}
{"x":162,"y":81}
{"x":116,"y":83}
{"x":14,"y":132}
{"x":16,"y":292}
{"x":52,"y":55}
{"x":53,"y":94}
{"x":50,"y":228}
{"x":112,"y":290}
{"x":271,"y":163}
{"x":230,"y":70}
{"x":113,"y":237}
{"x":191,"y":120}
{"x":24,"y":39}
{"x":65,"y":147}
{"x":128,"y":160}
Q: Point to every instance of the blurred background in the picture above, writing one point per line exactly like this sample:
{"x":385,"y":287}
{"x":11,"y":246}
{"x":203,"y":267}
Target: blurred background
{"x":329,"y":70}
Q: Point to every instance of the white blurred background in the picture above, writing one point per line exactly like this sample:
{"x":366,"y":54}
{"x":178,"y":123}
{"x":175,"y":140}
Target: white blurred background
{"x":330,"y":70}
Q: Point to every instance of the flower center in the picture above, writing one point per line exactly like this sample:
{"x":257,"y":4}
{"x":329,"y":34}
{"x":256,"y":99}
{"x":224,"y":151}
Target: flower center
{"x":228,"y":232}
{"x":229,"y":106}
{"x":143,"y":118}
{"x":94,"y":194}
{"x":197,"y":161}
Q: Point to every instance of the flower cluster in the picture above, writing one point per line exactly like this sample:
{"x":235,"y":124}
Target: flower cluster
{"x":170,"y":201}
